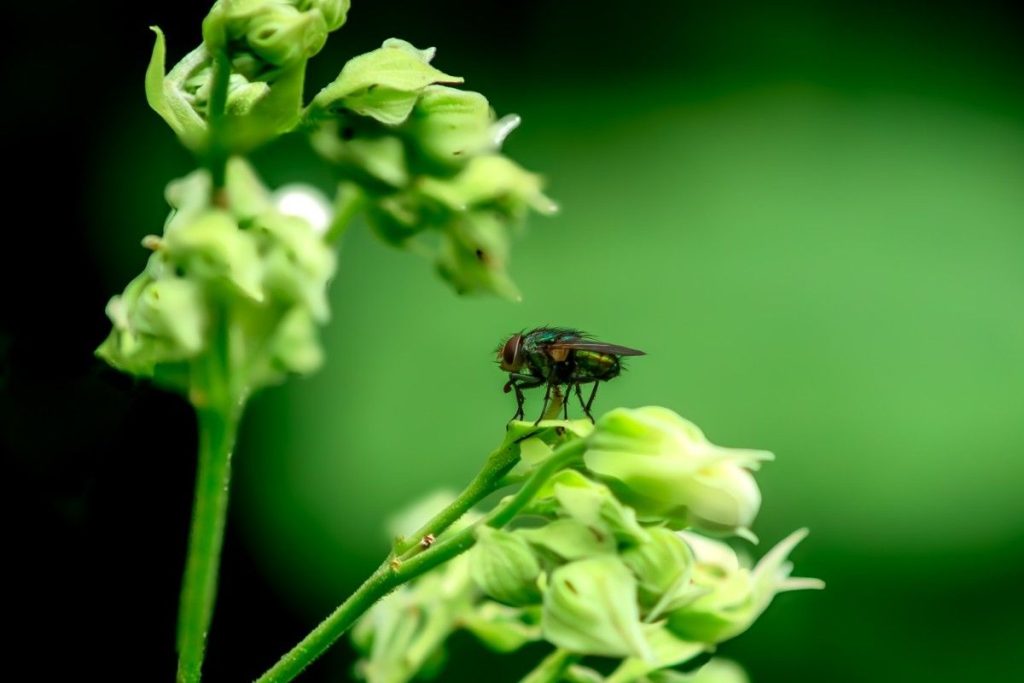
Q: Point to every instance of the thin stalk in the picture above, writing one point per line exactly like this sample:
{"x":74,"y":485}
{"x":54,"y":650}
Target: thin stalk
{"x":393,"y":572}
{"x":551,"y":668}
{"x":217,"y":152}
{"x":487,"y":481}
{"x":217,"y":434}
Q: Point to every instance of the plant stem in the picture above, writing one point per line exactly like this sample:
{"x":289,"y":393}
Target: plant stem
{"x":217,"y":431}
{"x":487,"y":481}
{"x":217,"y":154}
{"x":393,"y":572}
{"x":348,"y":202}
{"x":551,"y":668}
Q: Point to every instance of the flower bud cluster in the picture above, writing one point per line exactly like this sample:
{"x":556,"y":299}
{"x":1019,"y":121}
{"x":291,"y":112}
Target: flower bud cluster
{"x":264,"y":46}
{"x":240,"y":279}
{"x":615,"y":558}
{"x":426,"y":157}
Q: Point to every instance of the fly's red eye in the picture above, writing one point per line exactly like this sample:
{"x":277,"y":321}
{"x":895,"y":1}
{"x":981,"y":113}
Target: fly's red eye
{"x":511,"y":350}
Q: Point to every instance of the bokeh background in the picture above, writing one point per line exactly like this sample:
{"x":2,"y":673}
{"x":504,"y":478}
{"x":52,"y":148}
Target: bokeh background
{"x":811,"y":215}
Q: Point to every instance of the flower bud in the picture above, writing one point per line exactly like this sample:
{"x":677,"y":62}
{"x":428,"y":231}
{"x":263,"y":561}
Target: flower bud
{"x":593,"y":505}
{"x":735,"y":596}
{"x":297,"y":263}
{"x":570,"y":539}
{"x":451,"y":125}
{"x":284,"y":36}
{"x":662,"y":569}
{"x":335,"y":12}
{"x":211,"y":247}
{"x":590,"y":608}
{"x":491,"y":181}
{"x":500,"y":627}
{"x":664,"y":467}
{"x":473,"y":253}
{"x":156,"y":324}
{"x":383,"y":84}
{"x":504,"y":567}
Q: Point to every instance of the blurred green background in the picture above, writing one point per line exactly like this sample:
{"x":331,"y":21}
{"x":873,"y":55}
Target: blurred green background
{"x":812,"y":219}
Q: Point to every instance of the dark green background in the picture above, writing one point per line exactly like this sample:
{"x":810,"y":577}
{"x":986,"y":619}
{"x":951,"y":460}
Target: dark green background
{"x":811,"y":216}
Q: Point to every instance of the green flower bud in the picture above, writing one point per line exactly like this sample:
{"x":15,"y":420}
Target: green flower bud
{"x":473,"y":253}
{"x":662,"y":568}
{"x":211,"y":247}
{"x":402,"y":636}
{"x":664,"y":467}
{"x":335,"y":12}
{"x":155,"y":323}
{"x":667,"y":650}
{"x":570,"y":539}
{"x":451,"y":125}
{"x":734,"y":595}
{"x":382,"y":158}
{"x":502,"y":628}
{"x":594,"y":505}
{"x":295,"y":346}
{"x":284,"y":36}
{"x":504,"y":567}
{"x":228,"y":20}
{"x":716,"y":670}
{"x":297,"y":264}
{"x":243,"y":96}
{"x":247,"y":197}
{"x":493,"y":181}
{"x":383,"y":84}
{"x":590,"y":608}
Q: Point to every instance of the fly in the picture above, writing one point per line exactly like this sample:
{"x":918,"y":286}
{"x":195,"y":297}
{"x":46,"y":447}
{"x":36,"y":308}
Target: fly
{"x":554,"y":357}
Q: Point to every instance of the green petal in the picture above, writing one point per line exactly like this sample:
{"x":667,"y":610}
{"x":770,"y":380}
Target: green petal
{"x":166,"y":97}
{"x":570,"y":539}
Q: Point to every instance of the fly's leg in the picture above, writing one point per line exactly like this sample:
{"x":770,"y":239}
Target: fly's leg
{"x":517,"y":382}
{"x":590,"y":402}
{"x":565,"y":401}
{"x":520,"y":399}
{"x":579,"y":395}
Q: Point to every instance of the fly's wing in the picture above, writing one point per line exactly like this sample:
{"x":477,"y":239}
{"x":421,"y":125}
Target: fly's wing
{"x":599,"y":347}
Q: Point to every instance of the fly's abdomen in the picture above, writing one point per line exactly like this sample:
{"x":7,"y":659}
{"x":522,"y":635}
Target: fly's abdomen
{"x":593,"y":365}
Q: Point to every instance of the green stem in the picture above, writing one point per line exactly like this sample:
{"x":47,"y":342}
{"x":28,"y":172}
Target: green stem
{"x":217,"y":152}
{"x":217,"y":431}
{"x":348,"y":202}
{"x":551,"y":668}
{"x":393,"y":572}
{"x":486,"y":482}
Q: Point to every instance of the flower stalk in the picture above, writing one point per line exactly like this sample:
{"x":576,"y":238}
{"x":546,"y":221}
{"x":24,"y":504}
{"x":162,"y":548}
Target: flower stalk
{"x":394,"y":572}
